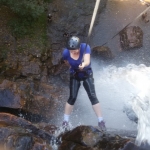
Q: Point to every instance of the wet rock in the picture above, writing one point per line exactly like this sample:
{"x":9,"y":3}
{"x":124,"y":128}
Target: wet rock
{"x":22,"y":65}
{"x":65,"y":76}
{"x":84,"y":135}
{"x":31,"y":68}
{"x":56,"y":56}
{"x":44,"y":79}
{"x":44,"y":74}
{"x":102,"y":52}
{"x":131,"y":37}
{"x":11,"y":120}
{"x":41,"y":146}
{"x":30,"y":97}
{"x":73,"y":146}
{"x":12,"y":61}
{"x":144,"y":18}
{"x":89,"y":138}
{"x":103,"y":4}
{"x":8,"y":99}
{"x":49,"y":64}
{"x":19,"y":142}
{"x":132,"y":146}
{"x":8,"y":95}
{"x":35,"y":52}
{"x":16,"y":138}
{"x":47,"y":127}
{"x":60,"y":68}
{"x":130,"y":113}
{"x":12,"y":73}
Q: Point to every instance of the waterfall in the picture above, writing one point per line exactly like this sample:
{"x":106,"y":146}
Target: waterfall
{"x":132,"y":85}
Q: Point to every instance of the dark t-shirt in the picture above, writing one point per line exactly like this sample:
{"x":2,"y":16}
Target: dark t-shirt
{"x":75,"y":63}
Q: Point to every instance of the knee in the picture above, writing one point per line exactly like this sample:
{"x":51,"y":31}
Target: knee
{"x":93,"y":99}
{"x":71,"y":100}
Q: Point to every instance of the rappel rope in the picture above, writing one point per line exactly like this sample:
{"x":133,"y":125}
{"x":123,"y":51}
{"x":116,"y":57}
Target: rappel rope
{"x":91,"y":25}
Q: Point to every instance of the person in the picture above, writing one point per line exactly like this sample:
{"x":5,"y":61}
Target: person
{"x":77,"y":56}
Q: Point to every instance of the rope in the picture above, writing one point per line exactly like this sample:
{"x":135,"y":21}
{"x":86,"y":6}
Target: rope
{"x":91,"y":25}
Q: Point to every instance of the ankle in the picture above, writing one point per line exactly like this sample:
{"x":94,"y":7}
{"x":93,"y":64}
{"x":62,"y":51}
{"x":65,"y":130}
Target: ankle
{"x":66,"y":117}
{"x":100,"y":119}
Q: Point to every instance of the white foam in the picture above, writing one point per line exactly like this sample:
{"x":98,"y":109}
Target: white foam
{"x":132,"y":83}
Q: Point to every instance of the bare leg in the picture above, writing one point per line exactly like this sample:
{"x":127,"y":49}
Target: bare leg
{"x":68,"y":109}
{"x":97,"y":110}
{"x":101,"y":123}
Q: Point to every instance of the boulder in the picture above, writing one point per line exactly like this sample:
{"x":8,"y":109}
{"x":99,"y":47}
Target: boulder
{"x":103,"y":52}
{"x":131,"y":37}
{"x":91,"y":138}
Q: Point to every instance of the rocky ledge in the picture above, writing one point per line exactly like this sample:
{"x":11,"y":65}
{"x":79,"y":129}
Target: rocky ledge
{"x":16,"y":134}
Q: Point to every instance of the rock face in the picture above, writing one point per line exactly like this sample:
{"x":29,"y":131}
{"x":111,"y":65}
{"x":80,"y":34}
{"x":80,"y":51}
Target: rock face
{"x":31,"y":97}
{"x":70,"y":17}
{"x":131,"y":37}
{"x":17,"y":133}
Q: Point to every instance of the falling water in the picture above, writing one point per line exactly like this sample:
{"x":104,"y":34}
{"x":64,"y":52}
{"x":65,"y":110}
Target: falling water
{"x":133,"y":84}
{"x":140,"y":79}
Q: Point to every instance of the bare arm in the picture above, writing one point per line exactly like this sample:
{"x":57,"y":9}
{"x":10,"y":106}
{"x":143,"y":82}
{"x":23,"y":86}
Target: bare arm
{"x":86,"y":62}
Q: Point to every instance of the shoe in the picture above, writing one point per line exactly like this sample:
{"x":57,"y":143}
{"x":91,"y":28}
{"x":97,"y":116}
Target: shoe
{"x":102,"y":126}
{"x":65,"y":124}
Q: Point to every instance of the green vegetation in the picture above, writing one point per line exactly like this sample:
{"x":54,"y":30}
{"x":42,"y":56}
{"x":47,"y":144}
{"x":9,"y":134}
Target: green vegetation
{"x":28,"y":14}
{"x":27,"y":22}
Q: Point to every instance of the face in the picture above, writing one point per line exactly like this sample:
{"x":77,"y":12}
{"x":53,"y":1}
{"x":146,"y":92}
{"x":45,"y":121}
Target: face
{"x":76,"y":51}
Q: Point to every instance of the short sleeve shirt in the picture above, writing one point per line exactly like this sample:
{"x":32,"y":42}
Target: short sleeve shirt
{"x":75,"y":63}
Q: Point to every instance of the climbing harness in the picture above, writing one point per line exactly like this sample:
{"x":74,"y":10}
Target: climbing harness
{"x":86,"y":73}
